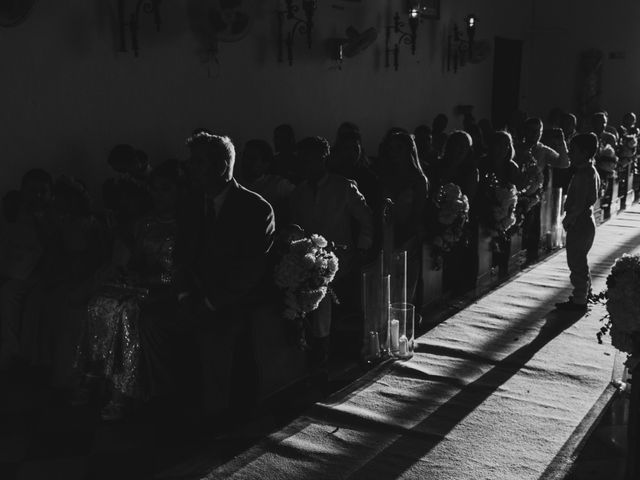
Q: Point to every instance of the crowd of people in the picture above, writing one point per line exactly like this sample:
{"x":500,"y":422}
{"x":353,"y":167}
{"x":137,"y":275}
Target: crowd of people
{"x":180,"y":253}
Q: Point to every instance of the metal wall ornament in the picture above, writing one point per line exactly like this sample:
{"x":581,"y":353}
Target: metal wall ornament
{"x":460,"y":49}
{"x":291,"y":15}
{"x":150,"y":7}
{"x":403,"y":36}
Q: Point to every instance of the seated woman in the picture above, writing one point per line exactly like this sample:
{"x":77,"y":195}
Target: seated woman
{"x":257,"y":161}
{"x":498,"y":166}
{"x":457,"y":166}
{"x":132,"y":329}
{"x":75,"y":255}
{"x":406,"y":186}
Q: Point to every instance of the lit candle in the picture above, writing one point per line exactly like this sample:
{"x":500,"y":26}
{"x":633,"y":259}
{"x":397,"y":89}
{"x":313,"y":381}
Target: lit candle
{"x":403,"y":345}
{"x":395,"y":334}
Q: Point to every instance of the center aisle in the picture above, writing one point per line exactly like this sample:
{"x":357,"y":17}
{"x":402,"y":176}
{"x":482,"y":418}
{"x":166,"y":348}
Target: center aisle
{"x":494,"y":392}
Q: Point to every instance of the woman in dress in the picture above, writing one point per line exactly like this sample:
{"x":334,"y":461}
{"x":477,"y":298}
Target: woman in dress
{"x":407,"y":188}
{"x":458,"y":166}
{"x":132,"y":332}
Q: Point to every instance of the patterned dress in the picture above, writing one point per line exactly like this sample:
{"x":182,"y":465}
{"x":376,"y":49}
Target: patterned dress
{"x":119,"y":338}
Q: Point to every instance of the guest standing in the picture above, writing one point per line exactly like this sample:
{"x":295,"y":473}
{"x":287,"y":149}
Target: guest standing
{"x":225,"y":233}
{"x":330,"y":205}
{"x":579,"y":221}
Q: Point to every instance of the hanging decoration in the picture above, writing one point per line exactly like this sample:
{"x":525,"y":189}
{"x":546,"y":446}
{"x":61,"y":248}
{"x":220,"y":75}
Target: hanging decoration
{"x":290,"y":15}
{"x":462,"y":47}
{"x":151,"y":7}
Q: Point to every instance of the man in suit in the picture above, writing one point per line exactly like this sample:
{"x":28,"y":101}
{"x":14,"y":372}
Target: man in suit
{"x":225,"y":234}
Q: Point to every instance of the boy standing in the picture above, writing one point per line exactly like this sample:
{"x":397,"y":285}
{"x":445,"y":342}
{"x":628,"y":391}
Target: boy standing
{"x":578,"y":220}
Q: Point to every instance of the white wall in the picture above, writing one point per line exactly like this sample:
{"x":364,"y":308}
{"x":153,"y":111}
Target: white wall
{"x":68,"y":97}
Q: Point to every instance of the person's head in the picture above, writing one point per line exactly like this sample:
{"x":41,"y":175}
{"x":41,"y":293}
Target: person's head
{"x":347,"y":152}
{"x":71,"y":197}
{"x":532,"y":131}
{"x":582,"y":149}
{"x":599,"y":122}
{"x":402,"y":156}
{"x":37,"y":190}
{"x":257,"y":158}
{"x":568,"y":124}
{"x":284,"y":139}
{"x":347,"y":128}
{"x":313,"y":153}
{"x":422,"y":135}
{"x":629,"y":120}
{"x":211,"y":161}
{"x":555,"y":116}
{"x":501,"y":147}
{"x":164,"y":183}
{"x":126,"y":159}
{"x":458,"y":149}
{"x":440,"y":123}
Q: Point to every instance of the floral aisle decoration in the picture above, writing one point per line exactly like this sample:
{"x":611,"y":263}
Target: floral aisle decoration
{"x":531,"y":194}
{"x":621,"y":296}
{"x":623,"y":324}
{"x":451,"y":216}
{"x":304,"y":273}
{"x":499,"y":206}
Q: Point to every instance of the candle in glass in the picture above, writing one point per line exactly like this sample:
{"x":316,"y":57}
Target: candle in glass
{"x":403,"y":344}
{"x":395,"y":334}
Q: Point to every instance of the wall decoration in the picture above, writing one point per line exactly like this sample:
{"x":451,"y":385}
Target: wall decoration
{"x":354,"y":44}
{"x":289,"y":17}
{"x":14,"y":12}
{"x":215,"y":21}
{"x":430,"y":9}
{"x":151,"y":7}
{"x":402,"y":36}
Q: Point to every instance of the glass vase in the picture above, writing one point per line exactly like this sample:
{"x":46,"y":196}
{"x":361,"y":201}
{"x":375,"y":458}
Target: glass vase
{"x":401,"y":330}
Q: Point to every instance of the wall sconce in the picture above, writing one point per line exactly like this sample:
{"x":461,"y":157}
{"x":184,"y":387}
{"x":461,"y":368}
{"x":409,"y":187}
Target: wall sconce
{"x":302,"y":25}
{"x":147,"y":6}
{"x":406,"y":37}
{"x":460,"y":49}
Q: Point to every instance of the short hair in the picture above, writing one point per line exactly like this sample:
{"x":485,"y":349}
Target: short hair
{"x":317,"y":145}
{"x":221,"y":146}
{"x":37,"y":175}
{"x":286,"y":129}
{"x":602,"y":115}
{"x":533,"y":121}
{"x":587,"y":142}
{"x":262,"y":146}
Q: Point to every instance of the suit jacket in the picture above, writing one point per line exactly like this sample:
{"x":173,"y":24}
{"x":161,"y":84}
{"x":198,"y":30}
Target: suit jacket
{"x":225,"y":262}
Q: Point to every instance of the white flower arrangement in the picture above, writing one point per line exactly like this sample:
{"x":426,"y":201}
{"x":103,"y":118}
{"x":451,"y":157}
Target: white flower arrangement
{"x":452,"y":213}
{"x":501,"y":200}
{"x":531,"y":194}
{"x":623,"y":289}
{"x":304,"y":273}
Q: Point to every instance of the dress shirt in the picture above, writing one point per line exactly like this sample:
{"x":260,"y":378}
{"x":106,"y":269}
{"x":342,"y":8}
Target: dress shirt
{"x":330,"y":207}
{"x":582,"y":194}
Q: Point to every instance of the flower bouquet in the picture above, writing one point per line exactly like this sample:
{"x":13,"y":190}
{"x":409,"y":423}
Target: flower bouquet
{"x":304,"y":273}
{"x":531,"y":194}
{"x":623,"y":321}
{"x":452,"y":213}
{"x":499,"y":206}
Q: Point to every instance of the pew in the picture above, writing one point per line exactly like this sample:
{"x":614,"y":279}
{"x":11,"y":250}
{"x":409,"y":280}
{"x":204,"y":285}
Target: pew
{"x":487,"y":273}
{"x":432,"y":290}
{"x":280,"y":363}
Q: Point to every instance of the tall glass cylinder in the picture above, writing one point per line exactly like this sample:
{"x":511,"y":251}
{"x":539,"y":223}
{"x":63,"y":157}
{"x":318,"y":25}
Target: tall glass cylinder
{"x":401,"y":330}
